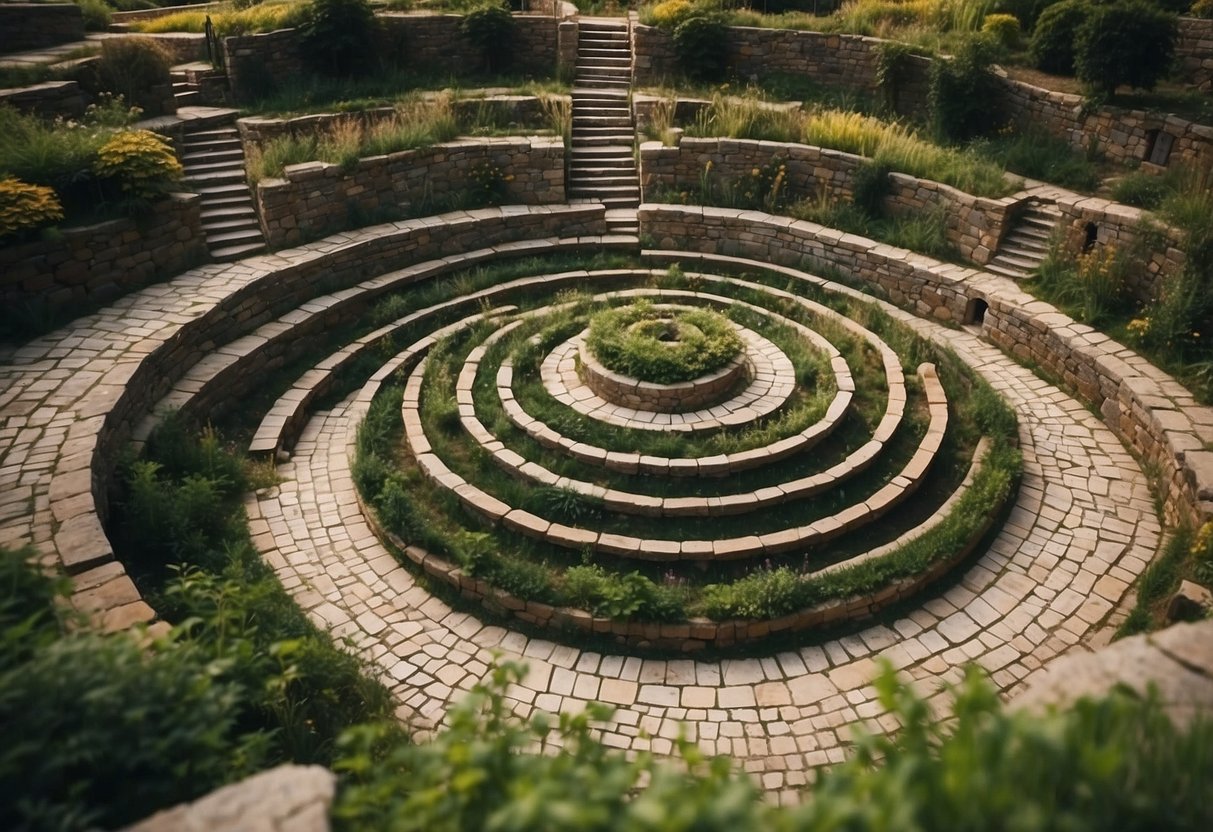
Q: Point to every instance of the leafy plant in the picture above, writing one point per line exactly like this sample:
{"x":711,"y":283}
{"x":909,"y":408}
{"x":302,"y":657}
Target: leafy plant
{"x":140,"y":162}
{"x":662,"y":347}
{"x":24,"y":207}
{"x":1052,"y":45}
{"x":491,"y":31}
{"x":701,"y":43}
{"x":338,"y":37}
{"x":1004,"y":28}
{"x":1127,"y":43}
{"x":964,"y":93}
{"x":133,"y":68}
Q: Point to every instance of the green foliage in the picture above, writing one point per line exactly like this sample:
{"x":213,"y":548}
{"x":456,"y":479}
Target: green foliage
{"x":29,"y":620}
{"x":664,"y":347}
{"x":491,"y":31}
{"x":481,"y":772}
{"x":892,"y":63}
{"x":1040,"y":155}
{"x":97,"y":15}
{"x":1145,"y":190}
{"x":1052,"y":46}
{"x":1114,"y":763}
{"x":869,"y":187}
{"x":24,"y":207}
{"x":339,"y":36}
{"x":1202,"y":9}
{"x":1127,"y":43}
{"x":964,"y":93}
{"x":1091,"y":284}
{"x":140,"y":163}
{"x":1004,"y":28}
{"x":701,"y":43}
{"x":132,"y":67}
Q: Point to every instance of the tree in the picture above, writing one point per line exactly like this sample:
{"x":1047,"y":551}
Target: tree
{"x":1129,"y":42}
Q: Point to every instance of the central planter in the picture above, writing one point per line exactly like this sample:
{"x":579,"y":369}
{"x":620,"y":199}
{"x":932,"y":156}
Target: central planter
{"x":661,"y":398}
{"x":665,"y":359}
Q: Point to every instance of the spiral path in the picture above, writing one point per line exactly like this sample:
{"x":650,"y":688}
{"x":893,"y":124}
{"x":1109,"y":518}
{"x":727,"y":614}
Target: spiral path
{"x":1082,"y":528}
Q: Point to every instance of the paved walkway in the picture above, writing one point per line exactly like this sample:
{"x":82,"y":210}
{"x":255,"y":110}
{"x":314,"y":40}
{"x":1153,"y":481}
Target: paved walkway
{"x":1082,"y":530}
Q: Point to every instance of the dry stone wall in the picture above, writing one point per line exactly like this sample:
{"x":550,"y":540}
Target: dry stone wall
{"x":1194,"y":53}
{"x":1127,"y":229}
{"x":81,"y":268}
{"x":27,"y":26}
{"x":316,"y":198}
{"x":49,"y":99}
{"x":1120,"y":135}
{"x":260,"y":63}
{"x":974,"y":224}
{"x":1150,"y":411}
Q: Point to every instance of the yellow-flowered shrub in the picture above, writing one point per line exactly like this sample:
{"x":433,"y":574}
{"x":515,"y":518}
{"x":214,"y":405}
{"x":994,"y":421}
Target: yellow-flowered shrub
{"x":670,"y":13}
{"x":141,"y":163}
{"x":24,"y":206}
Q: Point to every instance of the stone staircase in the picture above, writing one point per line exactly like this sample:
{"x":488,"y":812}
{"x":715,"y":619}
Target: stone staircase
{"x":1023,"y":248}
{"x":602,"y":166}
{"x":185,"y":89}
{"x":213,"y":156}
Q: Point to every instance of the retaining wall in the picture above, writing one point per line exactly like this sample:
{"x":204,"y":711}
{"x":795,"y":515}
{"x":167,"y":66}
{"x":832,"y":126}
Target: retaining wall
{"x":49,"y":99}
{"x":1194,"y":53}
{"x":318,"y":198}
{"x":28,"y":26}
{"x":1125,"y":228}
{"x":80,"y":268}
{"x":974,"y":224}
{"x":1149,"y":410}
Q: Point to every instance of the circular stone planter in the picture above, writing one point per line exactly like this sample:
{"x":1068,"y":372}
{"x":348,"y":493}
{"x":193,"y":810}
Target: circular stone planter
{"x":623,"y":390}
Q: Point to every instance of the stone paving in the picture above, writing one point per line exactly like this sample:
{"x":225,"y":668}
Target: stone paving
{"x":1082,"y":529}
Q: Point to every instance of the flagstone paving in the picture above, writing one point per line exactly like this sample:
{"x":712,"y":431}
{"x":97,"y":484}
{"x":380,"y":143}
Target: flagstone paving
{"x":1082,"y":529}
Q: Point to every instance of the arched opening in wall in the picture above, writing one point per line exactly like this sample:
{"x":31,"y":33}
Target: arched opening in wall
{"x":1090,"y":237}
{"x":975,"y":311}
{"x":1158,"y":147}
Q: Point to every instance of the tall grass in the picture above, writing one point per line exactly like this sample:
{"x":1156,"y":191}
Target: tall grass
{"x":265,"y":17}
{"x":892,"y":144}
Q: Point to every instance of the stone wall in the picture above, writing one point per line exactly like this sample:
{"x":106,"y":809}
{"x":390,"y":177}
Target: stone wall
{"x":1120,"y":135}
{"x":974,"y":224}
{"x":49,"y":99}
{"x":522,"y":110}
{"x":318,"y":198}
{"x":1155,"y":416}
{"x":846,"y":62}
{"x":849,"y":62}
{"x":1125,"y":228}
{"x":83,"y":268}
{"x":27,"y":26}
{"x":258,"y":64}
{"x":1194,"y":53}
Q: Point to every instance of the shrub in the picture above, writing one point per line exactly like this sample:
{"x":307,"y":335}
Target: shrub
{"x":96,"y":14}
{"x":140,"y":163}
{"x":669,"y":14}
{"x":701,"y":43}
{"x":338,"y":37}
{"x":1004,"y":28}
{"x":1129,"y":42}
{"x":1052,"y":46}
{"x":869,"y":187}
{"x":662,"y":347}
{"x":490,"y":30}
{"x":1202,"y":9}
{"x":964,"y":93}
{"x":1143,"y":190}
{"x":24,"y":207}
{"x":132,"y":67}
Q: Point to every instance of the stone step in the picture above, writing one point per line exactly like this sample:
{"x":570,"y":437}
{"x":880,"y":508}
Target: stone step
{"x":232,"y":227}
{"x":604,"y":50}
{"x":586,"y":60}
{"x":209,"y":178}
{"x":229,"y":212}
{"x":228,"y":254}
{"x":607,"y":190}
{"x":994,"y":268}
{"x":215,"y":133}
{"x":605,"y":83}
{"x":599,"y":152}
{"x":1033,"y":231}
{"x":246,"y":235}
{"x":610,"y":73}
{"x":598,"y":183}
{"x":187,"y":97}
{"x":223,"y":190}
{"x":584,"y":122}
{"x":601,"y":108}
{"x":192,"y":145}
{"x":1036,"y":245}
{"x":222,"y":165}
{"x":600,"y":141}
{"x":619,"y":201}
{"x":1018,"y":259}
{"x":222,"y":201}
{"x":579,"y":94}
{"x":206,"y":157}
{"x":602,"y":170}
